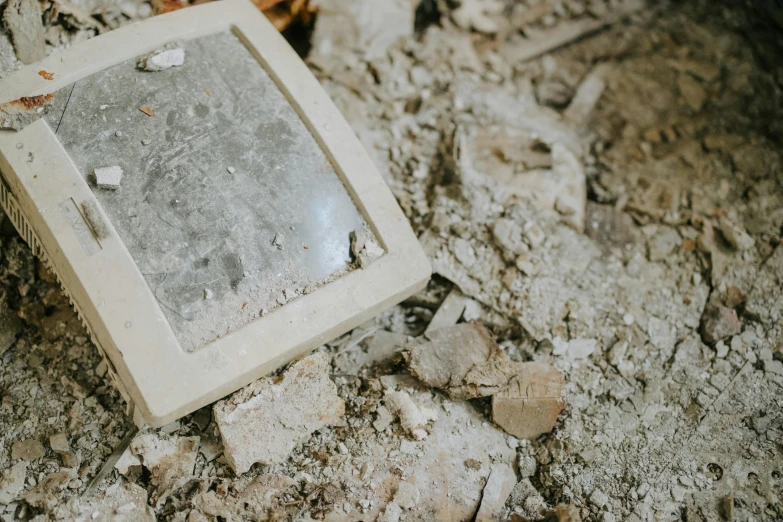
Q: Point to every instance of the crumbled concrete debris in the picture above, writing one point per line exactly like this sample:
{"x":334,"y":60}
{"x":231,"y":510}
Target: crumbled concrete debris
{"x":108,"y":177}
{"x":719,"y":322}
{"x":27,"y":450}
{"x":119,"y":503}
{"x":455,"y":125}
{"x":392,"y":513}
{"x":279,"y":413}
{"x":48,"y":491}
{"x":571,"y":192}
{"x":531,"y":403}
{"x":368,"y":350}
{"x":574,"y":349}
{"x":502,"y":480}
{"x":449,"y":312}
{"x":161,"y":59}
{"x":569,"y":513}
{"x":23,"y":19}
{"x":18,"y":114}
{"x":369,"y":26}
{"x":12,"y":482}
{"x":208,"y":294}
{"x":586,"y":97}
{"x":407,"y":496}
{"x":735,"y":235}
{"x":463,"y":360}
{"x":413,"y":418}
{"x":60,"y":445}
{"x":364,"y":248}
{"x":10,"y":326}
{"x":477,"y":15}
{"x":693,"y":93}
{"x":170,"y":461}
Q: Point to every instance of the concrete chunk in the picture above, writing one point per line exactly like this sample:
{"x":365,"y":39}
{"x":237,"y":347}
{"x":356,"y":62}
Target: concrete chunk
{"x":23,"y":18}
{"x":170,"y":461}
{"x":464,"y":360}
{"x":162,"y":59}
{"x":108,"y":177}
{"x":413,"y":418}
{"x":12,"y":482}
{"x":529,"y":406}
{"x":48,"y":492}
{"x":28,"y":450}
{"x":501,"y":482}
{"x":266,"y":420}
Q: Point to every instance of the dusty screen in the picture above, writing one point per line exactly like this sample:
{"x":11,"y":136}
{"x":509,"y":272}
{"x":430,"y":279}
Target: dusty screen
{"x":227,"y":204}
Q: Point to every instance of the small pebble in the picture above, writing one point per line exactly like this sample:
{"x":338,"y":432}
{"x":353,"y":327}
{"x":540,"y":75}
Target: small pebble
{"x":231,"y":170}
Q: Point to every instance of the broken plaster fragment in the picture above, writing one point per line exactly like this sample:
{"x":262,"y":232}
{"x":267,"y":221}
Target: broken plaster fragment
{"x":170,"y":461}
{"x":12,"y":482}
{"x":529,"y":406}
{"x":464,"y":360}
{"x":500,"y":483}
{"x":108,"y":177}
{"x":23,"y":19}
{"x":27,"y":450}
{"x":575,"y":348}
{"x":119,"y":503}
{"x":267,"y":419}
{"x":735,"y":235}
{"x":475,"y":14}
{"x":364,"y":248}
{"x":59,"y":444}
{"x":48,"y":492}
{"x":18,"y":114}
{"x":169,"y":56}
{"x":719,"y":322}
{"x":413,"y":418}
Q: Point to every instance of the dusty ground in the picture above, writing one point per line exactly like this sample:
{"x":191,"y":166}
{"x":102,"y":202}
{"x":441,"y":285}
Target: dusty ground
{"x":664,"y":314}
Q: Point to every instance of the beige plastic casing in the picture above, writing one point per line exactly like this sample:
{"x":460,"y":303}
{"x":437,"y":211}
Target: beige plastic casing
{"x":46,"y":199}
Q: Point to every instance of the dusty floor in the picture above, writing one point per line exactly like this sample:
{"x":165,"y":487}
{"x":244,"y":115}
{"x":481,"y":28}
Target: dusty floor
{"x":666,"y":314}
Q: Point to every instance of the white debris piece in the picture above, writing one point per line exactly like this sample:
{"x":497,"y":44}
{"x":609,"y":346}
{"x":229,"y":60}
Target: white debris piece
{"x":267,"y":419}
{"x":370,"y":26}
{"x":162,"y":59}
{"x":575,"y":348}
{"x":407,"y":496}
{"x":170,"y":461}
{"x":12,"y":482}
{"x":735,"y":235}
{"x":364,"y":248}
{"x":108,"y":177}
{"x":119,"y":503}
{"x":392,"y":513}
{"x":502,"y":480}
{"x":413,"y":418}
{"x":475,"y":14}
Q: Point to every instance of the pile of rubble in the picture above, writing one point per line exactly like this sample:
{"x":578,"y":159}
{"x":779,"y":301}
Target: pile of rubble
{"x":598,"y":185}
